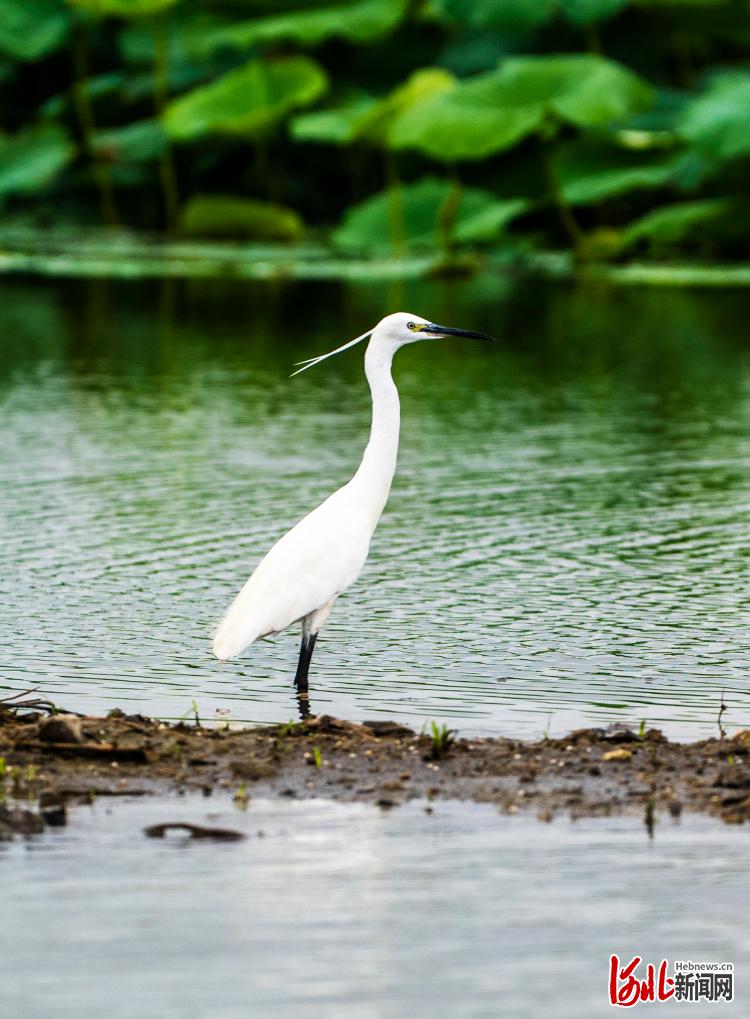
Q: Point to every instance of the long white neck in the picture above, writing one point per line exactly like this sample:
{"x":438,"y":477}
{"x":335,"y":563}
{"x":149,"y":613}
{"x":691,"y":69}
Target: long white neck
{"x":375,"y":474}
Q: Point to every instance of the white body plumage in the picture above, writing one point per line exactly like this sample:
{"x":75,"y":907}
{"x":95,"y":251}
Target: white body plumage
{"x":320,"y":557}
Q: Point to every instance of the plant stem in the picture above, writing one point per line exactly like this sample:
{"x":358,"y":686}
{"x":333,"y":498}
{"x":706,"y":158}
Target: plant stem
{"x":87,"y":125}
{"x":564,"y":211}
{"x":264,"y":171}
{"x":395,"y":206}
{"x":593,"y":38}
{"x":722,"y":709}
{"x":167,"y":172}
{"x":447,"y":213}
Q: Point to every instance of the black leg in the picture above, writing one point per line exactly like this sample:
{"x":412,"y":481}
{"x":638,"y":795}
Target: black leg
{"x":303,"y":706}
{"x":303,"y":665}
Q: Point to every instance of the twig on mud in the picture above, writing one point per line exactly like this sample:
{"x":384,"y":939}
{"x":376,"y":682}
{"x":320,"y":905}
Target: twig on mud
{"x":15,"y":696}
{"x":196,"y":831}
{"x":110,"y":751}
{"x":14,"y":702}
{"x":649,"y":815}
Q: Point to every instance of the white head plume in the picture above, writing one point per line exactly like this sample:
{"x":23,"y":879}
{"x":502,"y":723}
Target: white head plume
{"x":312,"y":361}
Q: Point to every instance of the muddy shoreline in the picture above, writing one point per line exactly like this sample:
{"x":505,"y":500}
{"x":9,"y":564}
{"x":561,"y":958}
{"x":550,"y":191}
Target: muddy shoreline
{"x":50,"y":761}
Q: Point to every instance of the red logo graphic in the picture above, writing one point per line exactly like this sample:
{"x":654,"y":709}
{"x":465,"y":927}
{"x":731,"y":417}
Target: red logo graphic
{"x":692,"y":981}
{"x":626,"y":989}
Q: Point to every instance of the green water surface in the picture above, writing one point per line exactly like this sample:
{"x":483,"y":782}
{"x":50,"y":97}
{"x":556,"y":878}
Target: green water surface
{"x":566,"y":541}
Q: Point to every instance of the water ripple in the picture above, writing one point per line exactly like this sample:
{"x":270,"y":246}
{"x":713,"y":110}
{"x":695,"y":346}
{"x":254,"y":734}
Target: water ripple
{"x":566,"y":541}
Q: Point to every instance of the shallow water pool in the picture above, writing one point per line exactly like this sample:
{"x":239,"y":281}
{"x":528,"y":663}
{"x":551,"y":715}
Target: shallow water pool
{"x":352,"y":912}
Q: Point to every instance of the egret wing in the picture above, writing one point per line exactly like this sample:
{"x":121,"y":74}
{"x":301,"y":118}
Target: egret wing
{"x":312,"y":564}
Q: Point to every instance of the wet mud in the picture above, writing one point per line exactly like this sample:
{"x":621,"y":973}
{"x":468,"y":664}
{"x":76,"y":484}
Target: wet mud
{"x":49,"y":761}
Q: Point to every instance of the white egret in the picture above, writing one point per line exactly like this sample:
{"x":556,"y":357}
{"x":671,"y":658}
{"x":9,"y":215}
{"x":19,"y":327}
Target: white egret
{"x":301,"y":577}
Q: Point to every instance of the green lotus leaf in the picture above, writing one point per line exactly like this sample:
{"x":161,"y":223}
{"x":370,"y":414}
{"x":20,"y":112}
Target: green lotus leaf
{"x":30,"y":29}
{"x":587,"y":12}
{"x":673,"y":223}
{"x":122,"y":8}
{"x":339,"y":126}
{"x":491,"y":112}
{"x":503,"y":15}
{"x":233,"y":216}
{"x":717,"y":123}
{"x":184,"y":30}
{"x":248,"y":101}
{"x":482,"y":217}
{"x":590,"y":171}
{"x":364,"y":118}
{"x":363,"y":21}
{"x":464,"y":122}
{"x":585,"y":90}
{"x":30,"y":159}
{"x":655,"y":127}
{"x":95,"y":89}
{"x":523,"y":15}
{"x":684,"y":5}
{"x":141,"y":142}
{"x":420,"y":86}
{"x":419,"y":209}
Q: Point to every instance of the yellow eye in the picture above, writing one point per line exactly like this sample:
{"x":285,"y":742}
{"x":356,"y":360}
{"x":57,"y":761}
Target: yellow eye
{"x":413,"y":326}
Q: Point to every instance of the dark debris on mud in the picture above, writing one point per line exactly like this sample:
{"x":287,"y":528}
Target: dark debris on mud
{"x":592,"y":772}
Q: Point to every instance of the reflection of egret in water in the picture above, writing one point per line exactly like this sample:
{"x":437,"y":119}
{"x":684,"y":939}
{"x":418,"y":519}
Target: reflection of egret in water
{"x":304,"y":573}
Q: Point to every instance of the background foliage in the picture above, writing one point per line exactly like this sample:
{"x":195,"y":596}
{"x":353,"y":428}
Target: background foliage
{"x":614,"y":127}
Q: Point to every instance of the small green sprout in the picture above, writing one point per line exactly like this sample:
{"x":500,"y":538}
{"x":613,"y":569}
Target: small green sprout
{"x":192,"y":710}
{"x":242,"y":796}
{"x":15,"y":778}
{"x":316,"y":757}
{"x":642,"y":729}
{"x":2,"y":768}
{"x":442,"y":737}
{"x":290,"y":727}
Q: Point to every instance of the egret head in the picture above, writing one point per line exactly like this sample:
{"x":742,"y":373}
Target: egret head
{"x":402,"y":328}
{"x":396,"y":331}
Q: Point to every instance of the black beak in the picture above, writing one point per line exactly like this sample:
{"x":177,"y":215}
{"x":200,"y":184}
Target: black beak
{"x":437,"y":330}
